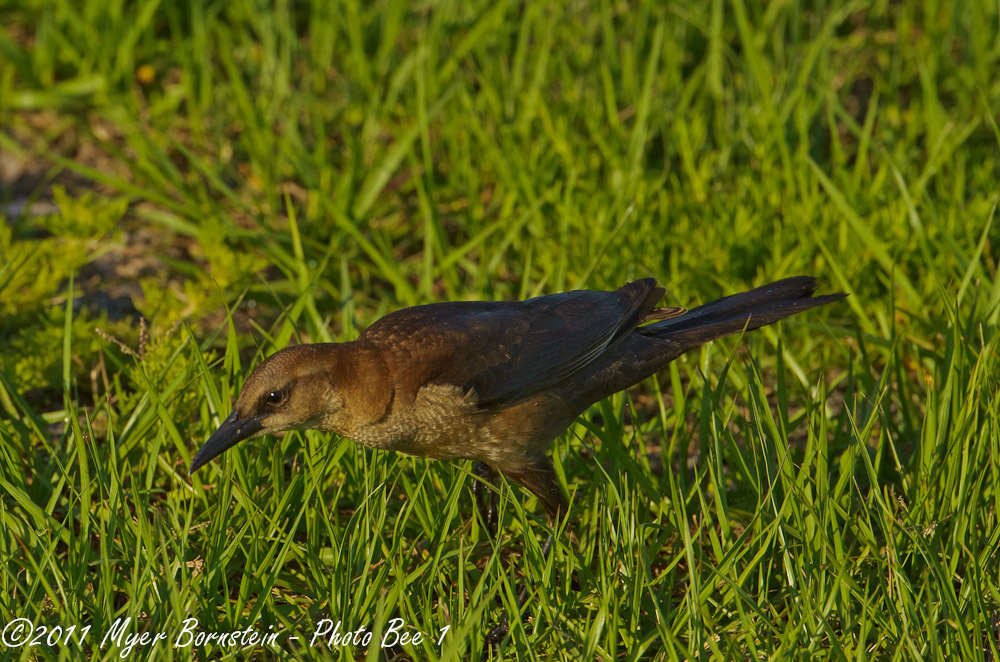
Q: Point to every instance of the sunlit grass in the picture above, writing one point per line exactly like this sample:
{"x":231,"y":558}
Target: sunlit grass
{"x":822,"y":489}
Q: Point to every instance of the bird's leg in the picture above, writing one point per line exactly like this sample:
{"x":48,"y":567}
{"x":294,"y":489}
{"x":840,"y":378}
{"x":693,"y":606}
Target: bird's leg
{"x":486,"y":503}
{"x":538,"y":477}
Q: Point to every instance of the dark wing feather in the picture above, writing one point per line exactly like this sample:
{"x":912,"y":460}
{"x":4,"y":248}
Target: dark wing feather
{"x":505,"y":351}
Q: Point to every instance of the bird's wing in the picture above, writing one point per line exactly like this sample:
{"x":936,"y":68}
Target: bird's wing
{"x":504,"y":351}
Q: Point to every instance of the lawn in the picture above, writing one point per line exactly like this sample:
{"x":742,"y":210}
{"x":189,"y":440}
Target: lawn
{"x":187,"y":187}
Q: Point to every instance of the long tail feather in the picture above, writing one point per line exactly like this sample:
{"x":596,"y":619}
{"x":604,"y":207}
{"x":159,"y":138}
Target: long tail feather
{"x":750,"y":310}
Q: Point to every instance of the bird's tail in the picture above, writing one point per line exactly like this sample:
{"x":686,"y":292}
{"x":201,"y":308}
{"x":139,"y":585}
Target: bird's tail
{"x":748,"y":310}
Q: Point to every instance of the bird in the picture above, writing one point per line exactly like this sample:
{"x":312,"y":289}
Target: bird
{"x":490,"y":381}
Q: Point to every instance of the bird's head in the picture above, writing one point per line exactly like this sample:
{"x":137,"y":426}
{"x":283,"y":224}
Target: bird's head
{"x":298,"y":388}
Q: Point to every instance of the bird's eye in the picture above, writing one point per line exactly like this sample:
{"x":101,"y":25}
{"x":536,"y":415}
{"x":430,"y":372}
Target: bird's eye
{"x":275,"y":397}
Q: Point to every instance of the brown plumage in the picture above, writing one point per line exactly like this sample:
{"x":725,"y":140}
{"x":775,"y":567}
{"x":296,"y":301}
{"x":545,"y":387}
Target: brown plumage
{"x":494,"y":382}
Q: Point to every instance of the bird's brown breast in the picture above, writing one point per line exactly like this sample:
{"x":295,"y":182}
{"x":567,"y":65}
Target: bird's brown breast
{"x":440,"y":421}
{"x":443,"y":421}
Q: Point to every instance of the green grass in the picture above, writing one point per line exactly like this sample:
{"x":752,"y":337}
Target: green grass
{"x":249,"y":175}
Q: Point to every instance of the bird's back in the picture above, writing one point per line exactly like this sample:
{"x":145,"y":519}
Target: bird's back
{"x":503,"y":352}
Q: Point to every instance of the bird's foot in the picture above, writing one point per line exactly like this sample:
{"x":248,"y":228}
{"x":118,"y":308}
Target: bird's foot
{"x":497,"y":634}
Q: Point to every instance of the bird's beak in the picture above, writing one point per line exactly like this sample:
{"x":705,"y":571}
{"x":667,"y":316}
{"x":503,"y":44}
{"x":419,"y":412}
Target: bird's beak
{"x":232,"y":431}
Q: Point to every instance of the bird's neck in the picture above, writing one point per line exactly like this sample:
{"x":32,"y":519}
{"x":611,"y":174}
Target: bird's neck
{"x":361,"y":379}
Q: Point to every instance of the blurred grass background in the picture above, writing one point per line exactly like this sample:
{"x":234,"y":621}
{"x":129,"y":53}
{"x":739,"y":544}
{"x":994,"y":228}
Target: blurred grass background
{"x":185,"y":187}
